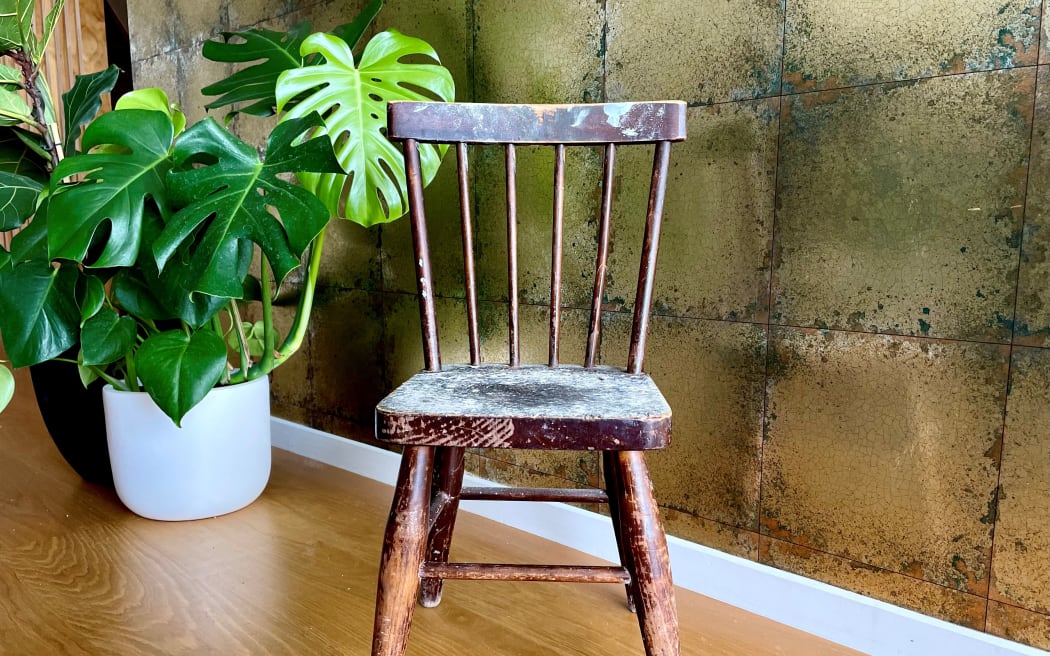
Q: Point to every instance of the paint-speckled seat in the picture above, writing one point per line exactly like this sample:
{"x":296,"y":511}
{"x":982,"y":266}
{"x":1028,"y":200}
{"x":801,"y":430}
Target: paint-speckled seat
{"x":443,"y":410}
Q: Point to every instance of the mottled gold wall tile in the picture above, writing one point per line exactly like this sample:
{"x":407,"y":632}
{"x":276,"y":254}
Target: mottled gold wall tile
{"x":535,"y":196}
{"x":1021,"y":558}
{"x":248,"y":13}
{"x":893,"y":215}
{"x":194,"y":21}
{"x":1018,"y":625}
{"x":441,"y":200}
{"x":835,"y":44}
{"x":712,"y":375}
{"x":291,"y":384}
{"x":733,"y":49}
{"x":885,"y":451}
{"x":347,"y":347}
{"x":1032,"y":325}
{"x":444,"y":24}
{"x":714,"y":248}
{"x":350,"y":258}
{"x":898,"y":589}
{"x":727,"y":539}
{"x":540,"y":51}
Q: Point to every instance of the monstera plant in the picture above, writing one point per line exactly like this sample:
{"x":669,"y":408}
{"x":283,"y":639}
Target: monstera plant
{"x":149,"y":239}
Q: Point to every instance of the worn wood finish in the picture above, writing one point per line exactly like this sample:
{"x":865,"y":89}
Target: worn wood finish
{"x":613,"y":486}
{"x":526,"y":407}
{"x":444,"y":505}
{"x":470,"y":283}
{"x":601,"y":267}
{"x":650,"y":247}
{"x":403,"y":553}
{"x":597,"y":123}
{"x":618,"y":412}
{"x":562,"y":495}
{"x":650,"y":565}
{"x":293,"y":573}
{"x":548,"y":573}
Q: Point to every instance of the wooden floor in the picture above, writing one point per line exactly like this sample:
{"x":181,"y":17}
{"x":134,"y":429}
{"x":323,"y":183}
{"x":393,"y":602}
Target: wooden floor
{"x":294,"y":573}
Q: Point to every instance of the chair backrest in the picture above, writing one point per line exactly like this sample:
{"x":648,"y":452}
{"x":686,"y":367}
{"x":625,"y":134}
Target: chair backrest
{"x":607,"y":124}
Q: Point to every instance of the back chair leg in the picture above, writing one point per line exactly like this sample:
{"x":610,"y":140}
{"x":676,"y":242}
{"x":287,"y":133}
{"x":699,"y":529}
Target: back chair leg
{"x":403,"y":552}
{"x":614,"y":489}
{"x":444,"y":504}
{"x":644,"y":533}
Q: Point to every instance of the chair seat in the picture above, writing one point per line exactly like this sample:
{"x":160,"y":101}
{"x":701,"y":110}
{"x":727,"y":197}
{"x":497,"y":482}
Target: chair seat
{"x":527,"y":407}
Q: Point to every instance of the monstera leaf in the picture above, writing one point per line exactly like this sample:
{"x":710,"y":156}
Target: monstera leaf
{"x":178,"y":370}
{"x":255,"y":84}
{"x":18,"y":196}
{"x":7,"y":386}
{"x":230,"y":203}
{"x":353,"y":101}
{"x":39,"y":317}
{"x":115,"y":188}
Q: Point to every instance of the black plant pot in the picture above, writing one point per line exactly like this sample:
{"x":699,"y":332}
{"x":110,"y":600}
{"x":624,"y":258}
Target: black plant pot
{"x":74,"y":418}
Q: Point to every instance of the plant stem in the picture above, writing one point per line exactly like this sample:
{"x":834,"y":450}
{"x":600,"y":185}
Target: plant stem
{"x":216,"y":325}
{"x":306,"y":302}
{"x":242,"y":341}
{"x":48,"y":131}
{"x":266,"y":364}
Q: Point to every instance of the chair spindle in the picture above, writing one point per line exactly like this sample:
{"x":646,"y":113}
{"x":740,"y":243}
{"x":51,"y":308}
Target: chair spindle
{"x":556,"y":248}
{"x":594,"y":332}
{"x":512,"y":255}
{"x":470,"y":278}
{"x":417,"y":214}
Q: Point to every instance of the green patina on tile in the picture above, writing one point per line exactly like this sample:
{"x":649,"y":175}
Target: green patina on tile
{"x":535,"y":202}
{"x":834,"y":44}
{"x":1032,"y":326}
{"x":539,"y":51}
{"x":879,"y":186}
{"x":714,"y":248}
{"x":733,"y":50}
{"x":871,"y":437}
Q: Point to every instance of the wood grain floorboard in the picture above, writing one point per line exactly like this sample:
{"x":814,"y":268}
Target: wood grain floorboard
{"x":294,"y":573}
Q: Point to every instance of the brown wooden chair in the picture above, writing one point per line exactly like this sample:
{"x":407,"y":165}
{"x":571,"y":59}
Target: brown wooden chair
{"x":447,"y":408}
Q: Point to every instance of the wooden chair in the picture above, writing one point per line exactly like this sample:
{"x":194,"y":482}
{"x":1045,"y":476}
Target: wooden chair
{"x":448,"y":408}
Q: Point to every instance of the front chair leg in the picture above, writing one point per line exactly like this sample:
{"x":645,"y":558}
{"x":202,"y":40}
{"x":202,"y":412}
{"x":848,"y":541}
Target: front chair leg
{"x":403,"y":549}
{"x":444,"y":504}
{"x":647,"y":544}
{"x":614,"y":490}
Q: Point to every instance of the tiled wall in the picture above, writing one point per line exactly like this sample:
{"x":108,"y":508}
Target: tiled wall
{"x":854,"y":309}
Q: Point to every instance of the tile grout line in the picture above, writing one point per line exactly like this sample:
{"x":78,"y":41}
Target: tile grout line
{"x":766,"y":379}
{"x":997,"y":492}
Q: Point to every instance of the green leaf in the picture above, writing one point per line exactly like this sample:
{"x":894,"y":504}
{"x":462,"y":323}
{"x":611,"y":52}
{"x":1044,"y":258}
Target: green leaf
{"x":115,"y":187}
{"x":49,"y":29}
{"x":13,"y":108}
{"x":16,"y":27}
{"x":18,"y":196}
{"x":254,"y":337}
{"x":87,"y":375}
{"x":31,"y":241}
{"x":20,"y":154}
{"x":230,"y":203}
{"x":7,"y":387}
{"x":353,"y":101}
{"x":353,"y":31}
{"x":178,"y":370}
{"x":155,"y":99}
{"x":10,"y":76}
{"x":5,"y":258}
{"x":83,"y":101}
{"x":107,"y":337}
{"x":145,"y":293}
{"x":275,"y":51}
{"x":91,"y":298}
{"x":39,"y":318}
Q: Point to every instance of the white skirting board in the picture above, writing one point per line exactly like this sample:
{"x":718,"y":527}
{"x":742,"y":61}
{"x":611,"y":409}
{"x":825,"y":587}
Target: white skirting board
{"x":867,"y":625}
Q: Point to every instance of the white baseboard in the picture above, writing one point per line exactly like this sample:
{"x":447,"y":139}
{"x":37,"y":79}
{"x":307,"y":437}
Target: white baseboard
{"x":853,"y":620}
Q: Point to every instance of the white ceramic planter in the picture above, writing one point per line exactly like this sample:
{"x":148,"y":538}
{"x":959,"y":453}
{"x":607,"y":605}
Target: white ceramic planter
{"x":217,"y":462}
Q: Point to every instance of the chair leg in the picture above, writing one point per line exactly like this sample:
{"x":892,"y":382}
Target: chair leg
{"x":644,"y":533}
{"x":444,"y":504}
{"x":613,"y":488}
{"x":403,"y":549}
